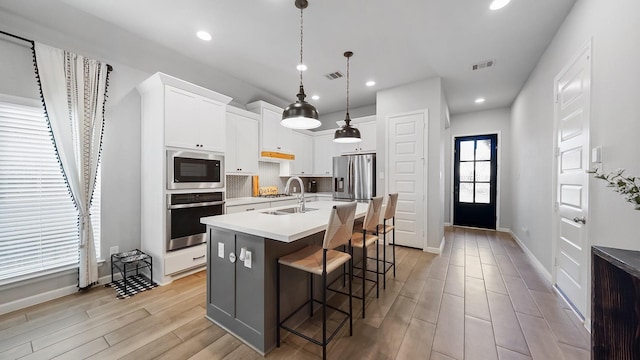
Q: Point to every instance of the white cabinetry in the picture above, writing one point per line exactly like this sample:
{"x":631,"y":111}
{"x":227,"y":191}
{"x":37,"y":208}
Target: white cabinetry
{"x":302,"y":145}
{"x":242,"y":152}
{"x":175,"y":114}
{"x":368,"y":127}
{"x":273,"y":136}
{"x":193,"y":121}
{"x":324,"y":149}
{"x":247,"y":207}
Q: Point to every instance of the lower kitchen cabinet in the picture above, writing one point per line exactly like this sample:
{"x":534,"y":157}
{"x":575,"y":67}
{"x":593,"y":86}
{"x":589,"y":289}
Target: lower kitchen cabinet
{"x":181,"y":260}
{"x":235,"y":292}
{"x":247,"y":207}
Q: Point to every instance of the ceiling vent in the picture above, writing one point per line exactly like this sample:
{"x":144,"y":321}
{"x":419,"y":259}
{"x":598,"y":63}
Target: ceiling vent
{"x":334,"y":75}
{"x":483,"y":65}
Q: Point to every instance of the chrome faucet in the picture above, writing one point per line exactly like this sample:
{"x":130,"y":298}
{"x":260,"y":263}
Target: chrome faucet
{"x":301,"y":196}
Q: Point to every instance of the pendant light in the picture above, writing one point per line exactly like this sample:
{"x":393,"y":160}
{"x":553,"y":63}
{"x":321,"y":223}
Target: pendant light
{"x":347,"y":133}
{"x":300,"y":114}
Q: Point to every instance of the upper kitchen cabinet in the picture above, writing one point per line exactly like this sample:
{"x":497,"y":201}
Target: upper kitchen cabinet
{"x":274,"y":138}
{"x":302,"y":145}
{"x":324,"y":149}
{"x":368,"y":127}
{"x":192,"y":121}
{"x":242,"y":153}
{"x":194,"y":117}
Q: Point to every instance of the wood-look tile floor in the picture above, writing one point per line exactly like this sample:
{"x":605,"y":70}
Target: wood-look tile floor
{"x":480,"y":299}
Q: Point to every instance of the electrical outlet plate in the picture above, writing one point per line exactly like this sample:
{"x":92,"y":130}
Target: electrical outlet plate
{"x":113,"y":250}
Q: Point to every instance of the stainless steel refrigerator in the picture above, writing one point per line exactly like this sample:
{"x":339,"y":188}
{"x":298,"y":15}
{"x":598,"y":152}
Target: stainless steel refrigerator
{"x":354,"y":177}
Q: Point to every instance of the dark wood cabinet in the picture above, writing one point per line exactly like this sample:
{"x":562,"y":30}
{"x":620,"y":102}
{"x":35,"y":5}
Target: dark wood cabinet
{"x":615,"y":324}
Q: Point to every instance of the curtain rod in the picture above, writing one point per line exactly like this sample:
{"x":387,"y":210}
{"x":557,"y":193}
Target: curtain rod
{"x":109,"y":67}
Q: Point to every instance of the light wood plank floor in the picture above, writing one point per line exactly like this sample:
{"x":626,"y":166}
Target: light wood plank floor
{"x":480,"y":299}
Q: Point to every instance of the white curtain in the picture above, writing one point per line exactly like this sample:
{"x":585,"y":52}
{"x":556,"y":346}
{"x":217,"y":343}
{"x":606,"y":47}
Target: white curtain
{"x":73,"y":90}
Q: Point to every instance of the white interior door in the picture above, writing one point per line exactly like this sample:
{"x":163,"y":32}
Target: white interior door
{"x":406,"y":175}
{"x":572,"y":133}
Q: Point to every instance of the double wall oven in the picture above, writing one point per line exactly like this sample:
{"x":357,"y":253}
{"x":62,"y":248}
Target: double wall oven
{"x":203,"y":173}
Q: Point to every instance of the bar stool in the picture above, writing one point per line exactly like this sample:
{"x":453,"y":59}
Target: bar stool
{"x":384,"y":228}
{"x":365,"y":238}
{"x":317,"y":260}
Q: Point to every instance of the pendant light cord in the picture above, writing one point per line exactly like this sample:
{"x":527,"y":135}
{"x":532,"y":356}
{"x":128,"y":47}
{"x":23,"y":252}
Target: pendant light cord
{"x":301,"y":37}
{"x":348,"y":86}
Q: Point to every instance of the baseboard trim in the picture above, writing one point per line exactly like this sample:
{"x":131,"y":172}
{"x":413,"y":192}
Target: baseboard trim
{"x":46,"y":296}
{"x":436,"y":250}
{"x":536,"y":263}
{"x":447,"y":224}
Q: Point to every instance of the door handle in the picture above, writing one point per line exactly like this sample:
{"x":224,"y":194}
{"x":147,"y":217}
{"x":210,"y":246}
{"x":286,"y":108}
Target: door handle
{"x":581,"y":220}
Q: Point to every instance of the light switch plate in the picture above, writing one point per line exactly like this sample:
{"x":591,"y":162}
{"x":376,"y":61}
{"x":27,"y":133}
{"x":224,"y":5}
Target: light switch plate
{"x":596,"y":155}
{"x":113,"y":250}
{"x":221,"y":250}
{"x":247,"y":259}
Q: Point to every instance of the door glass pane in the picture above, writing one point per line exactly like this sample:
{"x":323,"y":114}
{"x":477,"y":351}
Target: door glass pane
{"x":483,"y":171}
{"x":482,"y":193}
{"x":466,"y":171}
{"x":466,"y":192}
{"x":483,"y":151}
{"x":466,"y":150}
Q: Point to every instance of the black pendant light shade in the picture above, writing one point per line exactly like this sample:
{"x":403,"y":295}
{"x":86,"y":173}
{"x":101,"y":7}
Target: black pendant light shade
{"x":347,"y":133}
{"x":300,"y":114}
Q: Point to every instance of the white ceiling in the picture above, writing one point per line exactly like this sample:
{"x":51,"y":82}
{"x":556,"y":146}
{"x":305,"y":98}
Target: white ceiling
{"x":394,"y":42}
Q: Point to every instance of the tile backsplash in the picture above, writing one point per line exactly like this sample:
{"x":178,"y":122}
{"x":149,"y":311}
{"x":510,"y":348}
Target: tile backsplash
{"x":269,"y":175}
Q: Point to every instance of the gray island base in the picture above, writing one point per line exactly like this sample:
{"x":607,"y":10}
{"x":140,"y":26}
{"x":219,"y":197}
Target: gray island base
{"x":241,"y":294}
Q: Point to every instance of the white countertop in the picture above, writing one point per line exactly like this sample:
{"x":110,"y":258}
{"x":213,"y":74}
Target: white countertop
{"x":285,"y":228}
{"x":256,"y":200}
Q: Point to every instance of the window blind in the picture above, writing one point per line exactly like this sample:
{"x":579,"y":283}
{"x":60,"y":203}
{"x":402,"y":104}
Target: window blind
{"x":38,"y":220}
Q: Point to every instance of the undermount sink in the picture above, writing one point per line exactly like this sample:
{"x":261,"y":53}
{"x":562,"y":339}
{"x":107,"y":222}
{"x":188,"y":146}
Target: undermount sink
{"x":287,"y":211}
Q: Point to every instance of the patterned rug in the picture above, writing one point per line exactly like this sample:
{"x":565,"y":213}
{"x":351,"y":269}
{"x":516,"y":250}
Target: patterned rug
{"x":135,"y":284}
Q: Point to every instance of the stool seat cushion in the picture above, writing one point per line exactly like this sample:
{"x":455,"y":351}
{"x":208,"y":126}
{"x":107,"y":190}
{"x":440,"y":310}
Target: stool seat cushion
{"x":356,"y":239}
{"x":309,"y":259}
{"x":384,"y":229}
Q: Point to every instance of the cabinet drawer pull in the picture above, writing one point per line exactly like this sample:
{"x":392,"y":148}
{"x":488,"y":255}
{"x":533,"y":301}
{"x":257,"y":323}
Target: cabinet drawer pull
{"x":251,"y":209}
{"x":198,"y":258}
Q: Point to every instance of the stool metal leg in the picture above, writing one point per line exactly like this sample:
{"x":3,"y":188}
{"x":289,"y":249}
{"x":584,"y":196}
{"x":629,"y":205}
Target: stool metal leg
{"x":310,"y":294}
{"x":384,"y":261}
{"x":350,"y":293}
{"x":393,"y":246}
{"x":364,"y":270}
{"x":277,"y":304}
{"x":324,"y":305}
{"x":377,"y":269}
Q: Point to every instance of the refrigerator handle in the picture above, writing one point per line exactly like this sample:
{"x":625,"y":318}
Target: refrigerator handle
{"x":351,"y":176}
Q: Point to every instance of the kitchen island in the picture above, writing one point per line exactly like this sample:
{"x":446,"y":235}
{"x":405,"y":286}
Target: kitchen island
{"x":242,"y":251}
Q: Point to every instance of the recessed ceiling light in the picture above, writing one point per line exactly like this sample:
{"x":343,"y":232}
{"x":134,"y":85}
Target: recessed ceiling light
{"x":301,"y":67}
{"x":315,"y":97}
{"x":370,"y":83}
{"x":203,"y":35}
{"x":479,"y":100}
{"x":498,"y":4}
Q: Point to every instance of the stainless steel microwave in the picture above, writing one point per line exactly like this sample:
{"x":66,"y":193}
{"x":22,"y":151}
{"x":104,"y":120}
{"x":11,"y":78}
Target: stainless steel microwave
{"x":194,"y":170}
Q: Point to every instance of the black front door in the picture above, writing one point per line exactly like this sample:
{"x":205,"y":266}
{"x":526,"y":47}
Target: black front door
{"x":474,"y":174}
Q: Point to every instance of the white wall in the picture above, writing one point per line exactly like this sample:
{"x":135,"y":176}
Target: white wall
{"x":329,"y":120}
{"x":494,"y":121}
{"x":133,"y":60}
{"x":615,"y":125}
{"x":424,"y":94}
